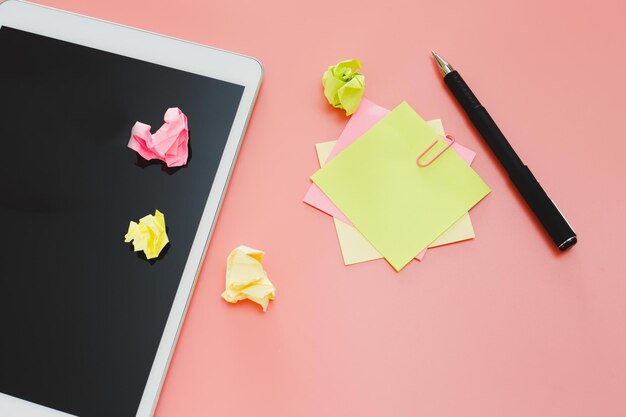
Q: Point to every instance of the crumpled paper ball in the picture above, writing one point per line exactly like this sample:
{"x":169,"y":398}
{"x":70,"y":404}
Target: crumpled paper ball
{"x":246,"y":278}
{"x":148,"y":235}
{"x":169,"y":144}
{"x":343,"y":86}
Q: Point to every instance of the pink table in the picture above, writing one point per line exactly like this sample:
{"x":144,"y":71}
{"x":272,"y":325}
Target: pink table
{"x":500,"y":326}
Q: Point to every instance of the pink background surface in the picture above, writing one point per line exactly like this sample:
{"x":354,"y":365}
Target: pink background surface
{"x":499,"y":326}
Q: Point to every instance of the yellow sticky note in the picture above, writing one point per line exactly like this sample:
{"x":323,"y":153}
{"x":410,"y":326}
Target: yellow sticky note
{"x":149,"y":235}
{"x":463,"y":228}
{"x":356,"y":249}
{"x":246,"y":278}
{"x":398,"y":206}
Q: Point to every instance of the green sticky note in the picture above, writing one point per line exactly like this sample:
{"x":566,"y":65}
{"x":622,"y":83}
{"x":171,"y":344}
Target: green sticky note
{"x":397,"y":205}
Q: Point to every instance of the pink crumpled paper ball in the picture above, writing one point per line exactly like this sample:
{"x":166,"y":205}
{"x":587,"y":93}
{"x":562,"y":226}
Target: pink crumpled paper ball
{"x":168,"y":144}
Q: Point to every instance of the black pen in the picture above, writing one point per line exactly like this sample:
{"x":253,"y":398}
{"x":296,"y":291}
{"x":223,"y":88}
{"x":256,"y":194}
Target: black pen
{"x":544,"y":208}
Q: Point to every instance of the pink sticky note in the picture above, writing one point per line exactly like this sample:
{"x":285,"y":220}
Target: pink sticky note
{"x":366,"y":116}
{"x":168,"y":144}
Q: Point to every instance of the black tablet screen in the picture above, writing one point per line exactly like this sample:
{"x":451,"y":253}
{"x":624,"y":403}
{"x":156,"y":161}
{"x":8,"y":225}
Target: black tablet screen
{"x":81,"y":315}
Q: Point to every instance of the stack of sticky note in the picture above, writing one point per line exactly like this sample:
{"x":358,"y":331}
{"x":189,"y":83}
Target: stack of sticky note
{"x":383,"y":203}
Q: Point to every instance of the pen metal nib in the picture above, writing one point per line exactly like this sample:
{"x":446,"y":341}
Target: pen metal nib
{"x":444,"y":67}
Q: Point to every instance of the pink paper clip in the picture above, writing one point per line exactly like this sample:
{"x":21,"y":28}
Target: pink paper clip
{"x":450,"y":137}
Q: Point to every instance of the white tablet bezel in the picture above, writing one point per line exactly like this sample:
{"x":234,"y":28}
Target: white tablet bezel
{"x":173,"y":53}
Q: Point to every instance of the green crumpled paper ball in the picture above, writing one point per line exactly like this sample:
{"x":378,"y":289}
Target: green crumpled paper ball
{"x":343,"y":86}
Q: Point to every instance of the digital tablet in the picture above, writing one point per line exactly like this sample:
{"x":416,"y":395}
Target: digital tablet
{"x":87,"y":325}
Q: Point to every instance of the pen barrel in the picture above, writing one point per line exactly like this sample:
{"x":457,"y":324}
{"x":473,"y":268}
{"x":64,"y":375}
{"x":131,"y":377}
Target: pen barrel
{"x":544,"y":208}
{"x":495,"y":139}
{"x":483,"y":122}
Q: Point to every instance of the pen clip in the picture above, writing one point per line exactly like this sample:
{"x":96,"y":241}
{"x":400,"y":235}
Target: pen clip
{"x":423,"y":165}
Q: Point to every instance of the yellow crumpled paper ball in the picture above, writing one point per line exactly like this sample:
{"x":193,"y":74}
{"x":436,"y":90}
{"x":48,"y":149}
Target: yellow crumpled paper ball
{"x":148,"y":235}
{"x":246,"y":278}
{"x":343,"y":86}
